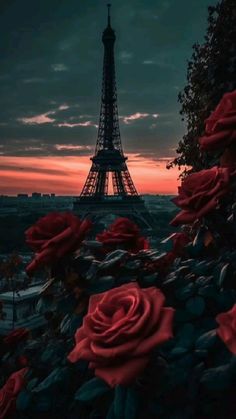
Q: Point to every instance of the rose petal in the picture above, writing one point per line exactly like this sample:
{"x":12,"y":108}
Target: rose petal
{"x":214,"y":141}
{"x":227,"y":328}
{"x":81,"y":351}
{"x":65,"y":234}
{"x":183,"y":217}
{"x":162,"y":334}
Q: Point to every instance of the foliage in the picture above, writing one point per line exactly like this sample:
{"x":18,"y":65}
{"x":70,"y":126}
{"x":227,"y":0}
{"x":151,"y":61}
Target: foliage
{"x":133,"y":334}
{"x":210,"y":73}
{"x":193,"y":375}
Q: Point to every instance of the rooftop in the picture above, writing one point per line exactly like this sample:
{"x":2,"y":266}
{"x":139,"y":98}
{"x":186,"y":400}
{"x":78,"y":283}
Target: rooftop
{"x":22,"y":294}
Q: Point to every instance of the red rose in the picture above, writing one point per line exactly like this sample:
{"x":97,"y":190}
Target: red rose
{"x":53,"y":236}
{"x":123,"y":233}
{"x":9,"y":392}
{"x":228,"y":157}
{"x":227,"y":328}
{"x":16,"y":336}
{"x":199,"y":193}
{"x":220,"y":129}
{"x":121,"y":328}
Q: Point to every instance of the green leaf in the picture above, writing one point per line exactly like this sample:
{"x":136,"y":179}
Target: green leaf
{"x":185,"y":292}
{"x":131,"y":405}
{"x":216,"y":379}
{"x":119,"y":402}
{"x":186,"y":335}
{"x":206,"y":340}
{"x":125,"y":403}
{"x":91,"y":389}
{"x":178,"y":351}
{"x":101,"y":285}
{"x":43,"y":402}
{"x":32,"y":383}
{"x":223,"y":274}
{"x":111,"y":412}
{"x":196,"y":305}
{"x":58,"y":376}
{"x":23,"y":400}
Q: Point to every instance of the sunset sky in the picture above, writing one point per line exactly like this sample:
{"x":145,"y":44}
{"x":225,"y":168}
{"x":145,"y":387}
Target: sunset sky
{"x":50,"y":88}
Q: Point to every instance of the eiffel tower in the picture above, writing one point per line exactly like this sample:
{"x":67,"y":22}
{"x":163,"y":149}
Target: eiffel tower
{"x":109,"y":163}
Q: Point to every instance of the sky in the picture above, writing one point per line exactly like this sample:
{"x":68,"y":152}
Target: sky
{"x":50,"y":88}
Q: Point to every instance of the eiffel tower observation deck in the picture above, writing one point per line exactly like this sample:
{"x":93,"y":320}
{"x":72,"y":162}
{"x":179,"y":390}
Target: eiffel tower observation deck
{"x":109,"y":188}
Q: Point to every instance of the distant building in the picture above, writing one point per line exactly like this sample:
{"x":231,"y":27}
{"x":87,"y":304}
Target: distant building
{"x":22,"y":195}
{"x":25,"y":313}
{"x":24,"y":204}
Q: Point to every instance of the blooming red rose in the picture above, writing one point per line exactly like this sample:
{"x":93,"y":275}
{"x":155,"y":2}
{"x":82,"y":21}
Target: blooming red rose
{"x":200,"y":192}
{"x":220,"y":128}
{"x":121,"y":328}
{"x":53,"y":236}
{"x":123,"y":233}
{"x":227,"y":328}
{"x":16,"y":336}
{"x":228,"y":157}
{"x":9,"y":392}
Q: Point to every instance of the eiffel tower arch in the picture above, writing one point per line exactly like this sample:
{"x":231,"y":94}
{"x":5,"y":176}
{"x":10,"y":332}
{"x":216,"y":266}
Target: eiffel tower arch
{"x":109,"y":169}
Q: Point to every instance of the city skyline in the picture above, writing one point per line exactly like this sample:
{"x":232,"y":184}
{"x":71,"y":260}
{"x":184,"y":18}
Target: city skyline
{"x":51,"y":100}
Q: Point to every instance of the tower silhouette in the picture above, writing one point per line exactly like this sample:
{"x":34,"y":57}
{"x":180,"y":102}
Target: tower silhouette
{"x":109,"y":170}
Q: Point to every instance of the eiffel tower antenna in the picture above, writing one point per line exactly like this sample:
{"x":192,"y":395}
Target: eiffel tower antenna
{"x":108,"y":14}
{"x":109,"y":171}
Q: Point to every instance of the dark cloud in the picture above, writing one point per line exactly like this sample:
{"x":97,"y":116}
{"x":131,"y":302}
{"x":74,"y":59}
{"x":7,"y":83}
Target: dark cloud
{"x":51,"y":56}
{"x":32,"y":170}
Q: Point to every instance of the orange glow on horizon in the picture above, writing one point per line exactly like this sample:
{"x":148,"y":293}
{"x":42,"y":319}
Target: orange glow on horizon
{"x":66,"y":175}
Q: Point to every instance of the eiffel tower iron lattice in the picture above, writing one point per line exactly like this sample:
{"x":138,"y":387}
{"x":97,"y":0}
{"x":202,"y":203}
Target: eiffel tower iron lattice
{"x":109,"y":163}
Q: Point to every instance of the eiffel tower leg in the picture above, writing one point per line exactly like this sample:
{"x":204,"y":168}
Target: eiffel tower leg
{"x":118,"y":186}
{"x":122,"y":183}
{"x":128,"y":183}
{"x":90,"y":184}
{"x":102,"y":183}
